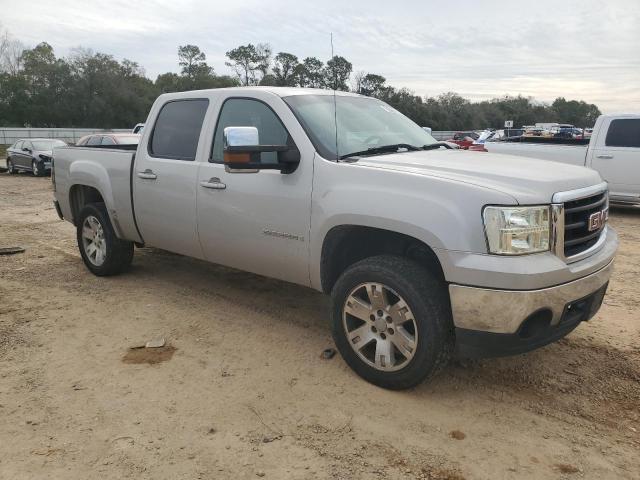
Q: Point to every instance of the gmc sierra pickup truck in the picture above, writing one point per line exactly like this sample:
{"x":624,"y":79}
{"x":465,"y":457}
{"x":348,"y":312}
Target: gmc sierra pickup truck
{"x":426,"y":251}
{"x":613,"y":151}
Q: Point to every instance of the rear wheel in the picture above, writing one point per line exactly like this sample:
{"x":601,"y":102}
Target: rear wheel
{"x":392,"y":321}
{"x":102,"y":252}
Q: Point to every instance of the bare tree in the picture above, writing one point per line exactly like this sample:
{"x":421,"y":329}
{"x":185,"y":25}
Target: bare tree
{"x":356,"y":83}
{"x":10,"y":52}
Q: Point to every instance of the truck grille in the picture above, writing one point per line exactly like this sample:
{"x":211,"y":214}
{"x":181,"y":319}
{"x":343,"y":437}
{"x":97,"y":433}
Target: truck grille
{"x":577,"y":236}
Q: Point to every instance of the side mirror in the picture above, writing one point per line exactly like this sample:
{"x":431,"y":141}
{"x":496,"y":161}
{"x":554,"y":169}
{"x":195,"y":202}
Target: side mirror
{"x":242,"y":149}
{"x":25,"y":149}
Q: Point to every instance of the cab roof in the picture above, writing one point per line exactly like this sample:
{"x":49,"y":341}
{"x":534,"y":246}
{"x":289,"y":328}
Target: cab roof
{"x":279,"y":91}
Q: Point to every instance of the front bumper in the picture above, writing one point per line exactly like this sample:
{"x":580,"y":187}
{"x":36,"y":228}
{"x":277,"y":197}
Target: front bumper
{"x":491,"y":322}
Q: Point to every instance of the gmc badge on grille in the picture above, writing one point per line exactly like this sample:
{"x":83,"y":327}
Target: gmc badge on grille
{"x":598,"y":219}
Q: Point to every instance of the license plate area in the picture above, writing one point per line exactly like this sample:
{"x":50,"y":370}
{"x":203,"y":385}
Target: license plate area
{"x":583,"y":309}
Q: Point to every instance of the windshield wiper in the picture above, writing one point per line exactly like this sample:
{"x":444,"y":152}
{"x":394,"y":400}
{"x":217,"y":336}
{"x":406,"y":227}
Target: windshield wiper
{"x":381,"y":149}
{"x":433,"y":146}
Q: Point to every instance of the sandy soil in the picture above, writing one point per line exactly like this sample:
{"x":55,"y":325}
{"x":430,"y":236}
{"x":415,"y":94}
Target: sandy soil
{"x":241,"y":391}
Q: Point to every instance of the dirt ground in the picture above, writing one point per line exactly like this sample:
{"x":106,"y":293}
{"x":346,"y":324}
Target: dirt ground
{"x":241,"y":390}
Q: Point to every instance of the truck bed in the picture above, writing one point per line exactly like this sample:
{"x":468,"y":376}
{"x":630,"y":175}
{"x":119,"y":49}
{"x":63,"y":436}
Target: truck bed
{"x":572,"y":154}
{"x":106,"y":170}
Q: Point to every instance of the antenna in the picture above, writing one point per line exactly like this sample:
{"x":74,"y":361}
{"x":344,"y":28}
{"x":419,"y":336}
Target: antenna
{"x":335,"y":106}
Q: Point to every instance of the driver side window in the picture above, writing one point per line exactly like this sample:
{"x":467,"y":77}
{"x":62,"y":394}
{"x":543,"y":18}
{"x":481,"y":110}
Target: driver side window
{"x":242,"y":112}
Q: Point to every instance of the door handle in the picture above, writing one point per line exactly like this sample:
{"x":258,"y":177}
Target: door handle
{"x":214,"y":183}
{"x":147,"y":174}
{"x":604,"y":156}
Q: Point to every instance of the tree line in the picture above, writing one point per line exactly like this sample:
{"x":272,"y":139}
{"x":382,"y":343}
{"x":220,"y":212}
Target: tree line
{"x":89,"y":89}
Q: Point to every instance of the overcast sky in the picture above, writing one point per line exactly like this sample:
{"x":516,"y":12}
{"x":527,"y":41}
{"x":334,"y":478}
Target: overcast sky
{"x":587,"y":49}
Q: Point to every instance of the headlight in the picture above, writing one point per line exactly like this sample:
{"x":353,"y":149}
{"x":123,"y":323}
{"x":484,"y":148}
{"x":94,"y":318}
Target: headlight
{"x":517,"y":230}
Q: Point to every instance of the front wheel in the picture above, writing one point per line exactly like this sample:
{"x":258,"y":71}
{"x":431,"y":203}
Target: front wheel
{"x":37,"y":169}
{"x":10,"y":168}
{"x":102,"y":252}
{"x":392,"y":321}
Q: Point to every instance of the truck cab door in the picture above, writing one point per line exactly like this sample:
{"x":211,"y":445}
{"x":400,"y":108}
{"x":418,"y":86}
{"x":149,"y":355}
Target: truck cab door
{"x":165,"y":177}
{"x":258,"y":220}
{"x":616,"y":157}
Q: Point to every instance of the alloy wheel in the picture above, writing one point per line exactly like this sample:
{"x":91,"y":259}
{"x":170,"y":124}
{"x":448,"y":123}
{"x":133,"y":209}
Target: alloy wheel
{"x":93,"y":241}
{"x":380,"y":326}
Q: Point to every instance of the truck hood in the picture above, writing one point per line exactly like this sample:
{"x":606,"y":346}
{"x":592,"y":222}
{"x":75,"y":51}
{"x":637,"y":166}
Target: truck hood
{"x":527,"y":180}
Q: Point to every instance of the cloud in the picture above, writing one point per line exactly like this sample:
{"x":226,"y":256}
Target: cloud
{"x":583,"y":49}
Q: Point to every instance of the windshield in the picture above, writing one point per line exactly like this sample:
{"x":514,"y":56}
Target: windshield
{"x":363,"y":123}
{"x":46,"y":145}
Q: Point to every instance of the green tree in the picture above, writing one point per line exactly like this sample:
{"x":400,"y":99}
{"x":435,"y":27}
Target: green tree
{"x":192,"y":61}
{"x":310,"y":73}
{"x":337,"y":73}
{"x":372,"y":85}
{"x":285,"y":69}
{"x":249,"y":62}
{"x":578,"y":113}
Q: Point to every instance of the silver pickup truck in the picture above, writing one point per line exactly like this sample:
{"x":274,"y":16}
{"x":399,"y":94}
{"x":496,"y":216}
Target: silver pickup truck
{"x":426,"y":251}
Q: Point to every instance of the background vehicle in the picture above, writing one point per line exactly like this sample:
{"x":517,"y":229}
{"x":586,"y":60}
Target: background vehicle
{"x":422,"y":248}
{"x":138,"y":128}
{"x":498,"y":135}
{"x":567,"y":131}
{"x":108,"y":140}
{"x":464,"y":139}
{"x":535,"y":132}
{"x":613,"y":151}
{"x":32,"y":154}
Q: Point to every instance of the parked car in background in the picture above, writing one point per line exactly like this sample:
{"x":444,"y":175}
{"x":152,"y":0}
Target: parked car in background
{"x":498,"y":135}
{"x":138,"y":128}
{"x":567,"y":131}
{"x":108,"y":139}
{"x":32,"y":155}
{"x":613,"y":151}
{"x":464,"y":139}
{"x":536,"y":132}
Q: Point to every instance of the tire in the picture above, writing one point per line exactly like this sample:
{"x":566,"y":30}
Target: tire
{"x":425,"y":317}
{"x":110,"y":255}
{"x":36,"y":169}
{"x":10,"y":167}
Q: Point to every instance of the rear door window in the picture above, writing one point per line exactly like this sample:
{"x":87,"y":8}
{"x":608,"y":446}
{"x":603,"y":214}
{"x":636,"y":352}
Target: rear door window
{"x":177,"y":129}
{"x":108,"y":141}
{"x":624,"y":132}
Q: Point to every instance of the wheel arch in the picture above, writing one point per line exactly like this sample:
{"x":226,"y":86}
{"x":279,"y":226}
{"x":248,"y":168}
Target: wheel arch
{"x":344,"y":245}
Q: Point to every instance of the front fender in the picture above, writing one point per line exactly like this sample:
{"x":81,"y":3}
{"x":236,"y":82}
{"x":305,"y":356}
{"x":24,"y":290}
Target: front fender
{"x":442,"y":213}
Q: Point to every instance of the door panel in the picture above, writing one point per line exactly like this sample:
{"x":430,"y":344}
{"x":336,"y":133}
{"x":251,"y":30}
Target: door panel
{"x":617,"y":157}
{"x":258,"y":222}
{"x":165,"y":176}
{"x":25,"y":157}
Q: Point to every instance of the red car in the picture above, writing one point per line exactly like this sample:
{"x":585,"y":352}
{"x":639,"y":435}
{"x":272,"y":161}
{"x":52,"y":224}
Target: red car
{"x":464,"y":139}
